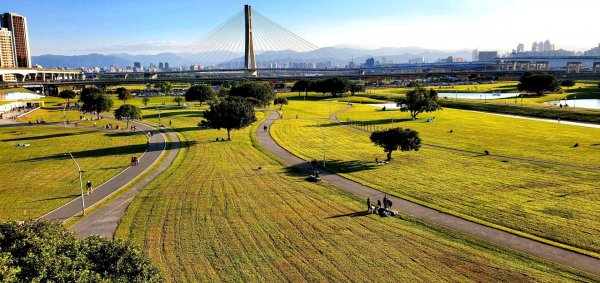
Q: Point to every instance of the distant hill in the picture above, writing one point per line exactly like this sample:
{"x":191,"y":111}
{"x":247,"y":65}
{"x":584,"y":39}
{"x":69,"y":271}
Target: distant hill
{"x":337,"y":56}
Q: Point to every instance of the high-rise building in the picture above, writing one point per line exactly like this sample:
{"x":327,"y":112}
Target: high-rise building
{"x":7,"y":53}
{"x":161,"y":65}
{"x":166,"y":65}
{"x":17,"y":25}
{"x":369,"y":63}
{"x":487,"y":56}
{"x":475,"y":55}
{"x":137,"y":65}
{"x":520,"y":48}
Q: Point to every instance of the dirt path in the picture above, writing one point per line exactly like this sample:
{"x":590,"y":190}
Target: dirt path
{"x":499,"y":237}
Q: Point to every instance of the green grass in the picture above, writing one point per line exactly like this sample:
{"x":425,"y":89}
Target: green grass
{"x":40,"y":178}
{"x":521,"y":196}
{"x":214,"y":216}
{"x":506,"y":136}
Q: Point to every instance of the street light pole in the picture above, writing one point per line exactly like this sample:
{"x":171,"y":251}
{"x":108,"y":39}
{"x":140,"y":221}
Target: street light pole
{"x":65,"y":115}
{"x":324,"y":142}
{"x":159,"y":123}
{"x":80,"y":183}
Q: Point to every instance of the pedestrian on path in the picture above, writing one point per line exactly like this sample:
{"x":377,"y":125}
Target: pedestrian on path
{"x":88,"y":186}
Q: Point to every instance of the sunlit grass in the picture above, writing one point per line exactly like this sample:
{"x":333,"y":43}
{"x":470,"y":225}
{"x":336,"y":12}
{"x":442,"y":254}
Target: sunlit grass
{"x":551,"y":202}
{"x":215,"y":216}
{"x":40,"y":178}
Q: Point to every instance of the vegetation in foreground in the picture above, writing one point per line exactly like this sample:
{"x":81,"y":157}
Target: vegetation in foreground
{"x":227,"y":211}
{"x":551,"y":202}
{"x":38,"y":251}
{"x":41,"y":177}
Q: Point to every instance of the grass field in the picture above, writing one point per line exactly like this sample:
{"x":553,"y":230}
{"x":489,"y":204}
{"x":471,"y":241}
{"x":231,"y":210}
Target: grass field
{"x":556,"y":203}
{"x":499,"y":135}
{"x":40,"y":178}
{"x":214,"y":216}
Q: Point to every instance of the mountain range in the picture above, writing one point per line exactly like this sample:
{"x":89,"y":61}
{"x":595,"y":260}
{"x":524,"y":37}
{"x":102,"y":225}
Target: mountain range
{"x":336,"y":55}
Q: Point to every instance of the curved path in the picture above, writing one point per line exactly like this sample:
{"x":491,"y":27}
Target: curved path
{"x":157,"y":145}
{"x":334,"y":119}
{"x":104,"y":221}
{"x":499,"y":237}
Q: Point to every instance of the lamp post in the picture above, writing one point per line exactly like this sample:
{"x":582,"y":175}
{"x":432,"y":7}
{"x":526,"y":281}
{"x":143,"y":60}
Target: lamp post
{"x":574,"y":98}
{"x":159,"y":123}
{"x":80,"y":183}
{"x":65,"y":115}
{"x":324,"y":142}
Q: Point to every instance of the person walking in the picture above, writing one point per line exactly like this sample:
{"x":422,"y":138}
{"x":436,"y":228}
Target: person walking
{"x":88,"y":186}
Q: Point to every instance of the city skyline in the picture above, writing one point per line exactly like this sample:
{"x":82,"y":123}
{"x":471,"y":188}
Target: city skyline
{"x":115,"y":27}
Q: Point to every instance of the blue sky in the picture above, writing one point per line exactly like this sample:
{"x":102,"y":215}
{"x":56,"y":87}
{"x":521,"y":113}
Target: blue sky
{"x":150,"y":26}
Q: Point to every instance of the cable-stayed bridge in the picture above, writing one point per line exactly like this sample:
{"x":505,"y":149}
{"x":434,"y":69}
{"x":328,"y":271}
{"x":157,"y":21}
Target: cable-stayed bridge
{"x":249,"y":45}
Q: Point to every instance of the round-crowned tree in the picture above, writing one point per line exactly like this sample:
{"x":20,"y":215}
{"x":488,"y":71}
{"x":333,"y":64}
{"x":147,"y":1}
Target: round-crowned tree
{"x":67,"y":94}
{"x":200,"y":93}
{"x":260,"y":94}
{"x":396,"y":139}
{"x":128,"y":112}
{"x":233,"y":113}
{"x":280,"y":101}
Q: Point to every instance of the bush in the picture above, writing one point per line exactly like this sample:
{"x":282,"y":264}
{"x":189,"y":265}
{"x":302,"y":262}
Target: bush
{"x":41,"y":251}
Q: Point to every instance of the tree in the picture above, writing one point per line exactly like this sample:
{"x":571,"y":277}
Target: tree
{"x":397,"y":138}
{"x":538,"y":83}
{"x":145,"y":100}
{"x":43,"y":251}
{"x":353,"y":88}
{"x":178,"y":100}
{"x":281,"y":101}
{"x":335,"y":86}
{"x":261,"y":93}
{"x":95,"y":100}
{"x":166,"y":87}
{"x":567,"y":83}
{"x":128,"y":112}
{"x":67,"y":94}
{"x":419,"y":100}
{"x":232,"y":113}
{"x":301,"y":85}
{"x":123,"y":94}
{"x":200,"y":93}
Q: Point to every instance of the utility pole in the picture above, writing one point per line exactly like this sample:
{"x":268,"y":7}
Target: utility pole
{"x":80,"y":183}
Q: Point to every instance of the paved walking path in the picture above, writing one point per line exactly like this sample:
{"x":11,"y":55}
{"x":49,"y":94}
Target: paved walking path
{"x":499,"y":237}
{"x":72,"y":208}
{"x":104,"y":221}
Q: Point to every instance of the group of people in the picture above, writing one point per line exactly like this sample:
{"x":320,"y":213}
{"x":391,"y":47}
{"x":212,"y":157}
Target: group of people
{"x":315,"y":170}
{"x":383,"y":208}
{"x":135,"y":161}
{"x":431,"y":120}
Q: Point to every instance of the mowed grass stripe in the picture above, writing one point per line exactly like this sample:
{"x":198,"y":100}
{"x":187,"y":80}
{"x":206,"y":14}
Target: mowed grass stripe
{"x":215,"y":214}
{"x":555,"y":203}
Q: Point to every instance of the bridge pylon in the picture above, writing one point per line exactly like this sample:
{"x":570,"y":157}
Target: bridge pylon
{"x":249,"y":56}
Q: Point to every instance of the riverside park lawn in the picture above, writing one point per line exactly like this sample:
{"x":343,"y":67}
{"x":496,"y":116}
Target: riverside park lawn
{"x":557,"y":203}
{"x":214,"y":216}
{"x":40,"y":178}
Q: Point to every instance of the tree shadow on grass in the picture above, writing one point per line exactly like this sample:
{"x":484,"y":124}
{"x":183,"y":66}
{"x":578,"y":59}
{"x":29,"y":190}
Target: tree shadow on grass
{"x":50,"y":136}
{"x":336,"y":166}
{"x":55,"y":198}
{"x":353,"y":214}
{"x":349,"y":166}
{"x":187,"y":113}
{"x":135,"y":150}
